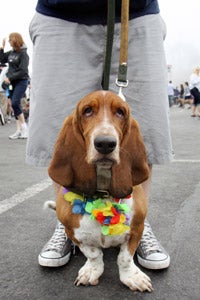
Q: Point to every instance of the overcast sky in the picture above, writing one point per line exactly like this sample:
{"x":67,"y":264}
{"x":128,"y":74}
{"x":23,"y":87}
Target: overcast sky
{"x":182,"y":43}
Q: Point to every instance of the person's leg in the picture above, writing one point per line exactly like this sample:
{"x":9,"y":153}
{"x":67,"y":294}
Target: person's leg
{"x":182,"y":102}
{"x":196,"y":100}
{"x":193,"y":110}
{"x":17,"y":93}
{"x":198,"y":109}
{"x":56,"y":252}
{"x":171,"y":102}
{"x":150,"y":253}
{"x":191,"y":102}
{"x":77,"y":66}
{"x":9,"y":110}
{"x":3,"y":107}
{"x":23,"y":126}
{"x":147,"y":96}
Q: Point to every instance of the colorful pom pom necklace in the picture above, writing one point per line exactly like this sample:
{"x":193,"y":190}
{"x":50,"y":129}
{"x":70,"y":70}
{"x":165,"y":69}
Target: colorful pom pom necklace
{"x":111,"y":215}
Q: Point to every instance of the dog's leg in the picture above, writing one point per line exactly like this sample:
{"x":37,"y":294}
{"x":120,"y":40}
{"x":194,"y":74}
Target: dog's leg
{"x":93,"y":268}
{"x":130,"y":274}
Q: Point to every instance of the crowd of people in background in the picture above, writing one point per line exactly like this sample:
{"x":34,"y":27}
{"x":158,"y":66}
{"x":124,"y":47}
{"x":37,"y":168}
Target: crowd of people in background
{"x":187,"y":93}
{"x":180,"y":95}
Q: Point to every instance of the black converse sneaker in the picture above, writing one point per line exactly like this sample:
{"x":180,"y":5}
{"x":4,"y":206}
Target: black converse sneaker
{"x":150,"y":253}
{"x":57,"y":250}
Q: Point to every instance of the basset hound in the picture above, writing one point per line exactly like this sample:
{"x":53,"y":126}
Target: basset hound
{"x":100,"y":162}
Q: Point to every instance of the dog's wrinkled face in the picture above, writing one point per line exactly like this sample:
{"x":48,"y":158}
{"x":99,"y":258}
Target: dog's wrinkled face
{"x":103,"y":125}
{"x":100,"y":131}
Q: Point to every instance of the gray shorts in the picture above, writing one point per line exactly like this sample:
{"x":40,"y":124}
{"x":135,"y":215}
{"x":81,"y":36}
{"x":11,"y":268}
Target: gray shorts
{"x":68,"y":63}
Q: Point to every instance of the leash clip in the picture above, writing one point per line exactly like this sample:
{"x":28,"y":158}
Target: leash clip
{"x":103,"y":193}
{"x":121,"y":85}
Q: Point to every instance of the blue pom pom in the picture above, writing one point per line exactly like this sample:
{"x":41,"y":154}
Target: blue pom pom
{"x":78,"y":207}
{"x":107,"y":221}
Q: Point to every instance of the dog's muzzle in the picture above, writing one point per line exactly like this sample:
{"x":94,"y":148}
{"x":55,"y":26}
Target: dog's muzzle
{"x":105,"y":144}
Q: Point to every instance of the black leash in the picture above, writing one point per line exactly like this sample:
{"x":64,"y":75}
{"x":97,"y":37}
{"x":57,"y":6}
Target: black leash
{"x":109,"y":43}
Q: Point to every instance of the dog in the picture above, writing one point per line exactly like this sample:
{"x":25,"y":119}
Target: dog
{"x":100,"y":162}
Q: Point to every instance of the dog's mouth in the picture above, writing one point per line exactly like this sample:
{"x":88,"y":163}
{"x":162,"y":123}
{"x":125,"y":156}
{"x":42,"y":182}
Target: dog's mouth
{"x":105,"y":161}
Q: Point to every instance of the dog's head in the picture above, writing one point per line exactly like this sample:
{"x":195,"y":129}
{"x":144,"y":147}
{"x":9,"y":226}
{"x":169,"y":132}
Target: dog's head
{"x":100,"y":131}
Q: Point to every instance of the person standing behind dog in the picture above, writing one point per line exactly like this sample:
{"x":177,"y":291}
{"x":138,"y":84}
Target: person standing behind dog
{"x":195,"y":91}
{"x":17,"y":79}
{"x":69,"y":40}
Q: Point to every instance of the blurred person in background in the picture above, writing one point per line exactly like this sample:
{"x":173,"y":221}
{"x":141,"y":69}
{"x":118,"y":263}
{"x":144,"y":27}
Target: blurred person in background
{"x":195,"y":91}
{"x":16,"y":79}
{"x":181,"y":96}
{"x":170,"y":93}
{"x":187,"y":95}
{"x":3,"y":98}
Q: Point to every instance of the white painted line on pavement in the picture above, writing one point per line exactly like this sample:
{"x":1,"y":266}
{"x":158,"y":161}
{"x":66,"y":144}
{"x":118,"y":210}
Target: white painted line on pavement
{"x":187,"y":160}
{"x":20,"y":197}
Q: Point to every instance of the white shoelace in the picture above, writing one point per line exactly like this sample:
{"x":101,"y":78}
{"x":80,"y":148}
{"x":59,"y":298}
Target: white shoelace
{"x":57,"y":240}
{"x":149,"y":243}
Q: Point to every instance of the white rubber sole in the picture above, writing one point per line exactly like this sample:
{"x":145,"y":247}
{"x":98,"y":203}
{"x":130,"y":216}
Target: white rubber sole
{"x":154,"y":265}
{"x":53,"y":262}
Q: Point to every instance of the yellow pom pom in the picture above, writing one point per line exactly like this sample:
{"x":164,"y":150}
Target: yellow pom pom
{"x":118,"y":229}
{"x":122,"y":218}
{"x":70,"y":196}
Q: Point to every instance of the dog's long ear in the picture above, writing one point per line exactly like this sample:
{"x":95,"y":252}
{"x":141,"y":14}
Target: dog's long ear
{"x":133,"y":168}
{"x":137,"y":150}
{"x":68,"y":166}
{"x":60,"y":169}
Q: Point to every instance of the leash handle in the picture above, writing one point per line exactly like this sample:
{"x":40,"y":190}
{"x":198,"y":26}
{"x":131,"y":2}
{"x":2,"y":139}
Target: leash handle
{"x":122,"y":81}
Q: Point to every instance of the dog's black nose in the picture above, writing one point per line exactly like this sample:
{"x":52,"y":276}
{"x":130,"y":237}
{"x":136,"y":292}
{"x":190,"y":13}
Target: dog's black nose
{"x":105,"y":144}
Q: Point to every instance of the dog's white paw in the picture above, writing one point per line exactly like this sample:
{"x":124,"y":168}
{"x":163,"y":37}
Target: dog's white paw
{"x":89,"y":275}
{"x":137,"y":280}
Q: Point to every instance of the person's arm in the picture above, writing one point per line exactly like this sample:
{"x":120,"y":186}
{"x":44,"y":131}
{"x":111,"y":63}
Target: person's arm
{"x":3,"y":55}
{"x":194,"y":80}
{"x":3,"y":44}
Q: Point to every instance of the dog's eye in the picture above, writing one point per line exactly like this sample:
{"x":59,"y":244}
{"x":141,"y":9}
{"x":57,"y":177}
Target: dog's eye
{"x":120,"y":113}
{"x":88,"y":111}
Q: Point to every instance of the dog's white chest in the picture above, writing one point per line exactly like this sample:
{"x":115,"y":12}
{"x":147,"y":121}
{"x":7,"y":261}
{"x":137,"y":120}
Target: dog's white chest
{"x":89,"y":233}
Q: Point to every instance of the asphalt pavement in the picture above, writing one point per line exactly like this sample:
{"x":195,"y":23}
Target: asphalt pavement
{"x":174,"y":211}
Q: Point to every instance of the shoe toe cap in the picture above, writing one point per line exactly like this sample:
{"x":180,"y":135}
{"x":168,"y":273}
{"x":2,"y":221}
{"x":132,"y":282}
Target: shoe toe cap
{"x":157,"y":256}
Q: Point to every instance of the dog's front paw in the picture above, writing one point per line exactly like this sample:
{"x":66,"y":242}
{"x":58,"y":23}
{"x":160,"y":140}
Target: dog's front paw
{"x":89,"y":275}
{"x":136,"y":280}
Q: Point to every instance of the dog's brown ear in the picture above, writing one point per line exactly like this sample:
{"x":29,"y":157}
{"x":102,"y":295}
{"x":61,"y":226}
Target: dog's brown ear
{"x":137,"y":150}
{"x":133,"y":168}
{"x":68,"y":166}
{"x":60,"y":166}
